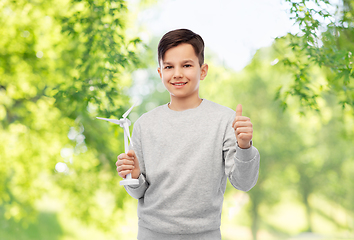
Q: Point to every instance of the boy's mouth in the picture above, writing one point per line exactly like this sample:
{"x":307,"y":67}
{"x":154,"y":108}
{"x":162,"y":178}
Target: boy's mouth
{"x":179,"y":83}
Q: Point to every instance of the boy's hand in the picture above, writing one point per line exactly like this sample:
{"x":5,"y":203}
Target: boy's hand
{"x":128,"y":163}
{"x":243,"y":128}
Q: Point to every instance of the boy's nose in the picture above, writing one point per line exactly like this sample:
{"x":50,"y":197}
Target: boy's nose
{"x":178,"y":73}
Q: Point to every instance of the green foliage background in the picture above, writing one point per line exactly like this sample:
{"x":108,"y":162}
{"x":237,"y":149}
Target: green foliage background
{"x":62,"y":63}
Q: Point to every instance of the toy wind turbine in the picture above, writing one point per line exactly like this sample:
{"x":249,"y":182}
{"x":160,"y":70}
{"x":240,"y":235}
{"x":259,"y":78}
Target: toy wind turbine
{"x":125,"y":123}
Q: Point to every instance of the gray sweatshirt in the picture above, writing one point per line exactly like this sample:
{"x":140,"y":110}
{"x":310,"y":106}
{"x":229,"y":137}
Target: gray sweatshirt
{"x":185,"y":159}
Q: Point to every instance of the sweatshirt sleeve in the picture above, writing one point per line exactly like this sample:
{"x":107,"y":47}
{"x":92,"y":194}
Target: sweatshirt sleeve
{"x":139,"y":190}
{"x":241,"y":165}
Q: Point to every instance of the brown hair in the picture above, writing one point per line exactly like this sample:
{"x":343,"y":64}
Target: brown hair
{"x":177,"y":37}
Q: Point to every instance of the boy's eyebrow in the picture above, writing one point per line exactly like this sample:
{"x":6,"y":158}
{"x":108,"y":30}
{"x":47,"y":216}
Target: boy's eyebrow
{"x":184,"y":61}
{"x":166,"y":63}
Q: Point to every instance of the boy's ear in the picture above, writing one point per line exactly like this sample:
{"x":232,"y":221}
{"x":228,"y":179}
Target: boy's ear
{"x":159,"y":71}
{"x":204,"y":71}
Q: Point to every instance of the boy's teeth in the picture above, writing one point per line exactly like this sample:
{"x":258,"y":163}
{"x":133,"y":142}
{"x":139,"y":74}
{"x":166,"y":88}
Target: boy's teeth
{"x":179,"y":84}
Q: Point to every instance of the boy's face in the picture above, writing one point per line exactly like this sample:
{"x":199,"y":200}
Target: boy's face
{"x":180,"y":71}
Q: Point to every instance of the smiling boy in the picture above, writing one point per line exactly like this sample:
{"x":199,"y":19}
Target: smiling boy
{"x":184,"y":151}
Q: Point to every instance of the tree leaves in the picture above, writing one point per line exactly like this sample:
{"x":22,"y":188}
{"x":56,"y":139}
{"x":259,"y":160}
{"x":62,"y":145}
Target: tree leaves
{"x":326,"y":42}
{"x":102,"y":53}
{"x":62,"y":63}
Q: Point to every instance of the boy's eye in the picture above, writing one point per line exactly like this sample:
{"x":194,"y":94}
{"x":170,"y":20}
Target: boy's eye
{"x":187,"y":65}
{"x":168,"y":67}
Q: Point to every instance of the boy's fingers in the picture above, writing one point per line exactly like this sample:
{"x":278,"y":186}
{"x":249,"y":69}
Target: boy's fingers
{"x":123,"y":174}
{"x":125,"y":156}
{"x":124,"y":162}
{"x":239,"y":110}
{"x":128,"y":162}
{"x":240,"y":118}
{"x":242,"y":124}
{"x":124,"y":159}
{"x":122,"y":156}
{"x":125,"y":167}
{"x":244,"y":130}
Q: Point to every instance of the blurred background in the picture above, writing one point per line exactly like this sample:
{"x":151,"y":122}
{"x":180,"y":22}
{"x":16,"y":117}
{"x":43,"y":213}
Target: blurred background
{"x":63,"y":63}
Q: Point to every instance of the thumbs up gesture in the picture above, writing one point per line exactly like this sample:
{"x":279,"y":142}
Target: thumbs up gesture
{"x":243,"y":128}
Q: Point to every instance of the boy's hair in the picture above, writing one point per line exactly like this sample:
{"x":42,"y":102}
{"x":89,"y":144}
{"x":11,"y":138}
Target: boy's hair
{"x":177,"y":37}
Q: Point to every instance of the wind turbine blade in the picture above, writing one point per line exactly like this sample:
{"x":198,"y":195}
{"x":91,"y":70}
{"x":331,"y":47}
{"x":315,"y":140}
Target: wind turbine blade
{"x":129,"y":110}
{"x":127,"y":133}
{"x":110,"y":120}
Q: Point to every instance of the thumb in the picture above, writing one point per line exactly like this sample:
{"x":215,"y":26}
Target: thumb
{"x":239,"y":110}
{"x":131,"y":153}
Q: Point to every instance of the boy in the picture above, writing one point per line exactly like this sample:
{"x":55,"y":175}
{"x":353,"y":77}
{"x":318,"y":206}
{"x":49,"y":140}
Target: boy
{"x":185,"y":150}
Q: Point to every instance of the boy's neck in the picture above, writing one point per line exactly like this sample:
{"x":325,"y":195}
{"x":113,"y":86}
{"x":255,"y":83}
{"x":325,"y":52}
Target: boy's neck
{"x":181,"y":104}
